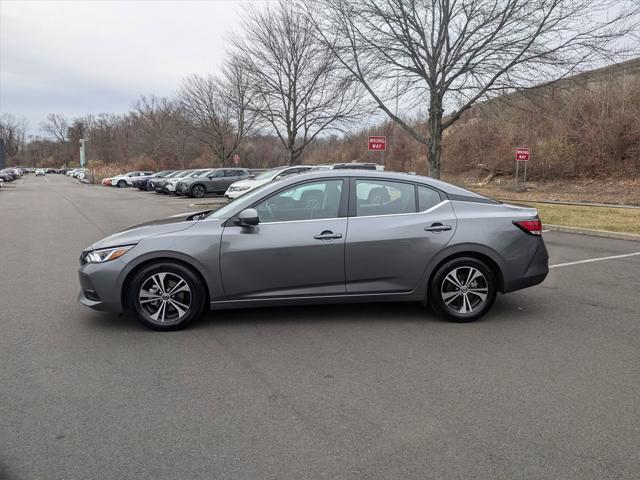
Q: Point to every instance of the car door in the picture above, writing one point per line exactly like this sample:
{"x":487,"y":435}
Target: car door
{"x":297,"y":249}
{"x":213,"y":181}
{"x":394,"y":230}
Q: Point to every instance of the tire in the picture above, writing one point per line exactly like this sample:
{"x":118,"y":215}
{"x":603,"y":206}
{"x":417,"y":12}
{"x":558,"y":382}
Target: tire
{"x":158,"y":309}
{"x":122,"y":184}
{"x":462,"y":290}
{"x":198,"y":191}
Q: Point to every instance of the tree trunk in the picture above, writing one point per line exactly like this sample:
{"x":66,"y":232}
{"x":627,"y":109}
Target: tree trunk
{"x":435,"y":136}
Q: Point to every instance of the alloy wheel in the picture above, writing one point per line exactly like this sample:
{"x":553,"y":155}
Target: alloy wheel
{"x":198,"y":191}
{"x":165,"y":297}
{"x":464,"y":290}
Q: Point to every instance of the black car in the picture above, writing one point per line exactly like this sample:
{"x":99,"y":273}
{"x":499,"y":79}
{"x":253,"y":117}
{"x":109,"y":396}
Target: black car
{"x":9,"y":174}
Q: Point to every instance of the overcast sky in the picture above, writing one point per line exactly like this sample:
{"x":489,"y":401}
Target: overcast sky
{"x":91,"y":56}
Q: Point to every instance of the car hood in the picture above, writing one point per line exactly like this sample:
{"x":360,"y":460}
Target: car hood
{"x":154,"y":228}
{"x":251,"y":182}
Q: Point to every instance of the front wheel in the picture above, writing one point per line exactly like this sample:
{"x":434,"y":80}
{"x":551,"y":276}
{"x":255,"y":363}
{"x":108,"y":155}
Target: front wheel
{"x":198,"y":191}
{"x":122,"y":184}
{"x":462,"y":290}
{"x":166,"y":296}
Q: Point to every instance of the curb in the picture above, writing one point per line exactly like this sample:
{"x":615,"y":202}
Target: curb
{"x":593,"y":233}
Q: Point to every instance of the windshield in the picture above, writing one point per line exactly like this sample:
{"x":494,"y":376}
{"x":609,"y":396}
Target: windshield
{"x":201,"y":173}
{"x":184,"y":173}
{"x":267,"y":174}
{"x":225,"y":212}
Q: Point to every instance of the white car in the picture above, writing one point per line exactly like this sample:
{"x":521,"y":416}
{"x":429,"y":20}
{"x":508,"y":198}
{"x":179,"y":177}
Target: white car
{"x":243,"y":186}
{"x":40,"y":172}
{"x":126,"y":180}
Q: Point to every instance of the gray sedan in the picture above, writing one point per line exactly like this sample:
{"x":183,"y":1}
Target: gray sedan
{"x":329,"y":236}
{"x":214,"y":181}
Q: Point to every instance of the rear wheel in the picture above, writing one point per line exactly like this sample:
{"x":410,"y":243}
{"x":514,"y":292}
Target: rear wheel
{"x":166,"y":296}
{"x":462,"y":290}
{"x":122,"y":184}
{"x":198,"y":191}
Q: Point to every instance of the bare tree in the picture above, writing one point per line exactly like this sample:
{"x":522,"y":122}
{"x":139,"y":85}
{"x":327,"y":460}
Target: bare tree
{"x":297,"y":89}
{"x":217,"y":110}
{"x":56,"y":126}
{"x":446,"y":55}
{"x":12,"y":132}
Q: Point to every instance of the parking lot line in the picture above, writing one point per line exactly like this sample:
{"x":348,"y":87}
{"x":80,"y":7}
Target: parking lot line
{"x":589,"y":260}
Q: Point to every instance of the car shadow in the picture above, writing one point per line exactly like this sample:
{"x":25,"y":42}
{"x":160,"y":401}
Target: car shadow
{"x":506,"y":308}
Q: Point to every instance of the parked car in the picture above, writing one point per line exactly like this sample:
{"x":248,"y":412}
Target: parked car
{"x":217,"y":181}
{"x":243,"y":186}
{"x":160,"y":186}
{"x":8,"y":175}
{"x":1,"y":182}
{"x":151,"y":184}
{"x":350,"y":166}
{"x":348,"y":235}
{"x":170,"y":186}
{"x":74,"y":172}
{"x":106,"y":182}
{"x":142,"y":183}
{"x":126,"y":180}
{"x":40,"y":172}
{"x":17,"y":172}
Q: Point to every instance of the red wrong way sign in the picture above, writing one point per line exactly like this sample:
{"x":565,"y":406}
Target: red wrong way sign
{"x":236,"y":159}
{"x":522,"y":154}
{"x":378,"y":144}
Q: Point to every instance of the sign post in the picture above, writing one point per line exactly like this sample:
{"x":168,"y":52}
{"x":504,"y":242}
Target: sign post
{"x":378,"y":144}
{"x":82,"y":157}
{"x":522,"y":155}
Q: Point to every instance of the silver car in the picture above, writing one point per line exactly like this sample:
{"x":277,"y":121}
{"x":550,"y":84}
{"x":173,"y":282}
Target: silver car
{"x":321,"y":237}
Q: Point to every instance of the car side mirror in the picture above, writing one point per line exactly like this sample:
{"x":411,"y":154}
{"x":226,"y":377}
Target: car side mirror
{"x":248,"y":217}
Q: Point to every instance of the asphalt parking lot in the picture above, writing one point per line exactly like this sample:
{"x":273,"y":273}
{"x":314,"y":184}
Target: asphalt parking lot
{"x":547,"y":386}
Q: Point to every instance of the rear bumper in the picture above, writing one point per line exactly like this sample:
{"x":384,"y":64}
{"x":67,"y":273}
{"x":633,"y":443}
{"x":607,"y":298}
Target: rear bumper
{"x":535,"y":273}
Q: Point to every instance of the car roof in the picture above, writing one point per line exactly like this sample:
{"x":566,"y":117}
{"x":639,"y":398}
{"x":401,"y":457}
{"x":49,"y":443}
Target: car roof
{"x":383,"y":175}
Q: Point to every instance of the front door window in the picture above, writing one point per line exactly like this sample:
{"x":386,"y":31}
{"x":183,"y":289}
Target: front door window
{"x":309,"y":201}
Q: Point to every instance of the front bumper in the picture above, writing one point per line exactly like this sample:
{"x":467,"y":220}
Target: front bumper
{"x":235,"y":193}
{"x":100,"y":286}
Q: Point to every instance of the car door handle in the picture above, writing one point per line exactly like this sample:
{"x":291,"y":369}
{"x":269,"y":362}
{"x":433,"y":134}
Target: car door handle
{"x":437,"y":227}
{"x":327,"y":235}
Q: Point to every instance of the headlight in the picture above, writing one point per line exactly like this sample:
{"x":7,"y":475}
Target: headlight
{"x":106,"y":254}
{"x":240,"y":189}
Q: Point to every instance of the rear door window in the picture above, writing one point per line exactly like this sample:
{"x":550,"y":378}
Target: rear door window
{"x":427,"y":198}
{"x":381,"y":197}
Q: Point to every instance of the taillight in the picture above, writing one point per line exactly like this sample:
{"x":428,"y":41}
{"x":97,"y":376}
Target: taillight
{"x":532,"y":227}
